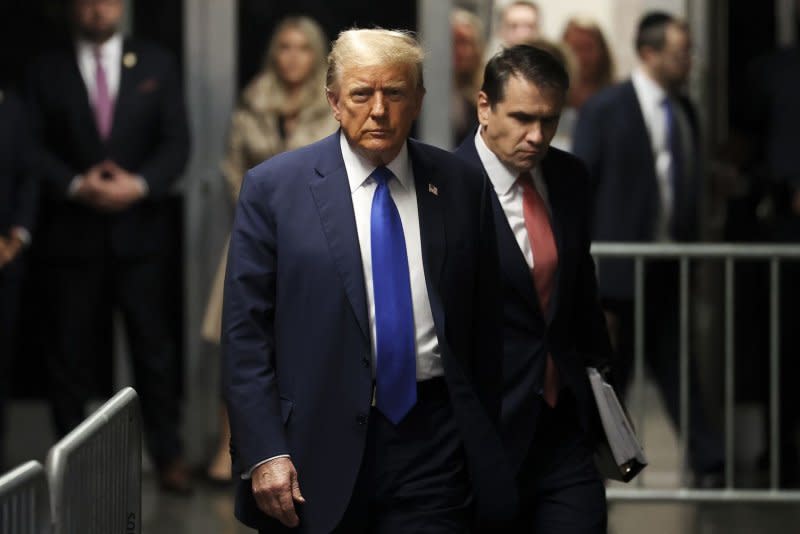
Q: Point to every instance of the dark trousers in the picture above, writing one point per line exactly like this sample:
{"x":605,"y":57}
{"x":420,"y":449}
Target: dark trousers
{"x":560,"y":489}
{"x":661,"y":326}
{"x":81,"y":296}
{"x":10,"y":284}
{"x":413,"y":476}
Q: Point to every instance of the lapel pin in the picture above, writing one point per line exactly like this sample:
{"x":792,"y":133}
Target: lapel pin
{"x":129,"y":60}
{"x":433,"y":189}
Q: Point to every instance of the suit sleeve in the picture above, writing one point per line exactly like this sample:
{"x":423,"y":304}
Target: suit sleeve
{"x":592,"y":333}
{"x":171,"y":152}
{"x":26,"y":200}
{"x":54,"y":174}
{"x":248,"y":338}
{"x":487,"y":320}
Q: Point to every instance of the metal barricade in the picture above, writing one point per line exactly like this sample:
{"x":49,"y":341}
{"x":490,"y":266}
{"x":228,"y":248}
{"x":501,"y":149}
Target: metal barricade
{"x":24,"y":500}
{"x":95,"y":472}
{"x":684,"y":254}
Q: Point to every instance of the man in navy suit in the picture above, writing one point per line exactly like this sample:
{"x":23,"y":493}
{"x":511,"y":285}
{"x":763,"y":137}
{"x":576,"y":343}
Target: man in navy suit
{"x":112,"y":139}
{"x":17,"y":213}
{"x":361,"y":321}
{"x":553,"y":323}
{"x":639,"y":140}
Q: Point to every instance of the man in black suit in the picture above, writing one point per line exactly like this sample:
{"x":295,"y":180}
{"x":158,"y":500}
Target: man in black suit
{"x":553,"y":324}
{"x":17,"y":211}
{"x":361,"y":320}
{"x":639,"y":140}
{"x":112,"y":133}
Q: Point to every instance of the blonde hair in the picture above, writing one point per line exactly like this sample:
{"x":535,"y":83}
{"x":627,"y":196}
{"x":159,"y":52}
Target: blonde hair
{"x":267,"y":91}
{"x":586,"y":24}
{"x":374,"y":47}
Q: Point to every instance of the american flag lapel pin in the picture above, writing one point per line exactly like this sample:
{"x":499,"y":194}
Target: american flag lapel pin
{"x":433,"y":189}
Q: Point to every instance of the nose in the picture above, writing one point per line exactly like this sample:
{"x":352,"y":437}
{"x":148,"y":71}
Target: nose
{"x":378,"y":105}
{"x":534,"y":135}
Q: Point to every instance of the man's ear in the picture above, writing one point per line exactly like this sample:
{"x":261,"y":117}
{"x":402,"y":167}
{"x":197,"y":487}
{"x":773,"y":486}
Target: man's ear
{"x":483,"y":108}
{"x":333,"y":100}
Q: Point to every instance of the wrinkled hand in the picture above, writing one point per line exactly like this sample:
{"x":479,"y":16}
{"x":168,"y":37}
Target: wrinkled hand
{"x":276,"y":489}
{"x":9,"y":249}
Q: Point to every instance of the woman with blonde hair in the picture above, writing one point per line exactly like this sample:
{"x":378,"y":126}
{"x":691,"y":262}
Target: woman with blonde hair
{"x":594,"y":64}
{"x":284,"y":107}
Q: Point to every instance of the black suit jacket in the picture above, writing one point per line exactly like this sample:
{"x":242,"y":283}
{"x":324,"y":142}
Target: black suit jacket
{"x":149,"y":137}
{"x":573,"y":330}
{"x":296,"y":340}
{"x":18,"y":185}
{"x":612,"y":140}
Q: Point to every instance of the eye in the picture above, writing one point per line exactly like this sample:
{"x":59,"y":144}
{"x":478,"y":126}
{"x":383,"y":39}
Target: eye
{"x":359,"y":95}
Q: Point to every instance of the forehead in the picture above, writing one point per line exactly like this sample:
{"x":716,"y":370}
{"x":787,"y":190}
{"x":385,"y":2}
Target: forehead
{"x":677,"y":35}
{"x":520,"y":13}
{"x":522,"y":94}
{"x":394,"y":74}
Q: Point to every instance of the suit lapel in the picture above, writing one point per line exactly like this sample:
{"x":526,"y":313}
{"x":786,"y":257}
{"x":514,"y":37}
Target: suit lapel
{"x":431,"y":218}
{"x":331,"y":192}
{"x":125,"y":90}
{"x":557,"y":212}
{"x":80,"y":95}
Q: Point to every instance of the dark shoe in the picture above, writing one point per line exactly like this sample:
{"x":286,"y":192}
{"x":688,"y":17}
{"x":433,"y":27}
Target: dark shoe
{"x":175,"y":478}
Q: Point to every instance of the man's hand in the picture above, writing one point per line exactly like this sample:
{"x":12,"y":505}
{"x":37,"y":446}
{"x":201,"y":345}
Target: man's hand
{"x":9,"y":249}
{"x":109,"y":187}
{"x":276,"y":489}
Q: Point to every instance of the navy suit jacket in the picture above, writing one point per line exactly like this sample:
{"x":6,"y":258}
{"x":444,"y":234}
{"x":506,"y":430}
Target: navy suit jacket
{"x":18,"y":185}
{"x":612,"y":140}
{"x":297,"y":376}
{"x":149,"y":137}
{"x":573,"y":330}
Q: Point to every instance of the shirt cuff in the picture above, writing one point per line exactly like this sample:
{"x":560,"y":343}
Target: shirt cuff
{"x":22,"y":234}
{"x":249,"y":474}
{"x":74,"y":185}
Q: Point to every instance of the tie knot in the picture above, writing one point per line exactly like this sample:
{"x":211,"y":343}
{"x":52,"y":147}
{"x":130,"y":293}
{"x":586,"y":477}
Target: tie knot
{"x":382,"y":175}
{"x":525,"y":180}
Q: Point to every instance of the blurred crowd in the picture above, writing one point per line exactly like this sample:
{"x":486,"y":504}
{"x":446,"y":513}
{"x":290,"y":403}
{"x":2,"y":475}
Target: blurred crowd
{"x":93,"y":142}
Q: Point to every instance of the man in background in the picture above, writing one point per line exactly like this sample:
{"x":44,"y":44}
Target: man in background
{"x":640,"y":142}
{"x":17,"y":212}
{"x":112,"y":137}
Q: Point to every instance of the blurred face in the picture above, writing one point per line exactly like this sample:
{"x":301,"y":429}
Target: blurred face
{"x":671,"y":65}
{"x":587,"y":50}
{"x":520,"y":127}
{"x":97,"y":20}
{"x":466,"y":55}
{"x":520,"y":25}
{"x":294,"y":58}
{"x":376,"y":107}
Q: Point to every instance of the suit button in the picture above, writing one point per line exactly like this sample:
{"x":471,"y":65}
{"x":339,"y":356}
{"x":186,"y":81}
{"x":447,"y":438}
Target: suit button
{"x":361,"y":419}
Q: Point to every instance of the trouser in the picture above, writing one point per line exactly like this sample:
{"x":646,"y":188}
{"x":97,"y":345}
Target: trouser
{"x":81,"y":297}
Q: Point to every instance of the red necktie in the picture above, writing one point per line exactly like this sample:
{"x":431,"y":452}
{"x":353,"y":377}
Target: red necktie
{"x":545,"y":254}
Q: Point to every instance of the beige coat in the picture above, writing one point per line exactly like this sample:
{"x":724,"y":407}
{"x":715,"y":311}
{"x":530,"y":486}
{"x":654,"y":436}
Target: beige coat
{"x":254,"y":136}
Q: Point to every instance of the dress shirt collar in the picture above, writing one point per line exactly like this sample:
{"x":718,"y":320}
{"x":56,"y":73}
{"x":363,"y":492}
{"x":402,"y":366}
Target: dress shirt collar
{"x":651,"y":95}
{"x":110,"y":51}
{"x":502,"y":177}
{"x":359,"y":168}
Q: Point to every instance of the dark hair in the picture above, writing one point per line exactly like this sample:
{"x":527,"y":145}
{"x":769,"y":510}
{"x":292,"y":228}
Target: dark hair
{"x":652,"y":30}
{"x":536,"y":65}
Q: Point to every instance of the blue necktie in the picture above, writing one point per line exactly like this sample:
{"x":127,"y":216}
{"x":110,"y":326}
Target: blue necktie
{"x":396,"y":373}
{"x":675,"y":145}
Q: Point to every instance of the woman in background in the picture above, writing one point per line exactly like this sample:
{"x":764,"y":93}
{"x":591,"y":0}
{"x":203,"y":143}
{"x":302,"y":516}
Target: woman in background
{"x":468,"y":51}
{"x":593,"y":70}
{"x":284,"y":107}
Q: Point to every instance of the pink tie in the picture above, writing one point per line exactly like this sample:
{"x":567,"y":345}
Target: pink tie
{"x":103,"y":106}
{"x":545,"y":253}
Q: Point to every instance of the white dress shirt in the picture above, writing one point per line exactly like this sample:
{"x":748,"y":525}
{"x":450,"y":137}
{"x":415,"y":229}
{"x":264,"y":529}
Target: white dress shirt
{"x":651,"y":98}
{"x":110,"y":58}
{"x":509,"y":193}
{"x":404,"y":195}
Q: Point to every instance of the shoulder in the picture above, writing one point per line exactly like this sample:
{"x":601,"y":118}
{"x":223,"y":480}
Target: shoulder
{"x":568,"y":166}
{"x":148,"y":51}
{"x":609,"y":98}
{"x":288,"y":167}
{"x":447,"y":163}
